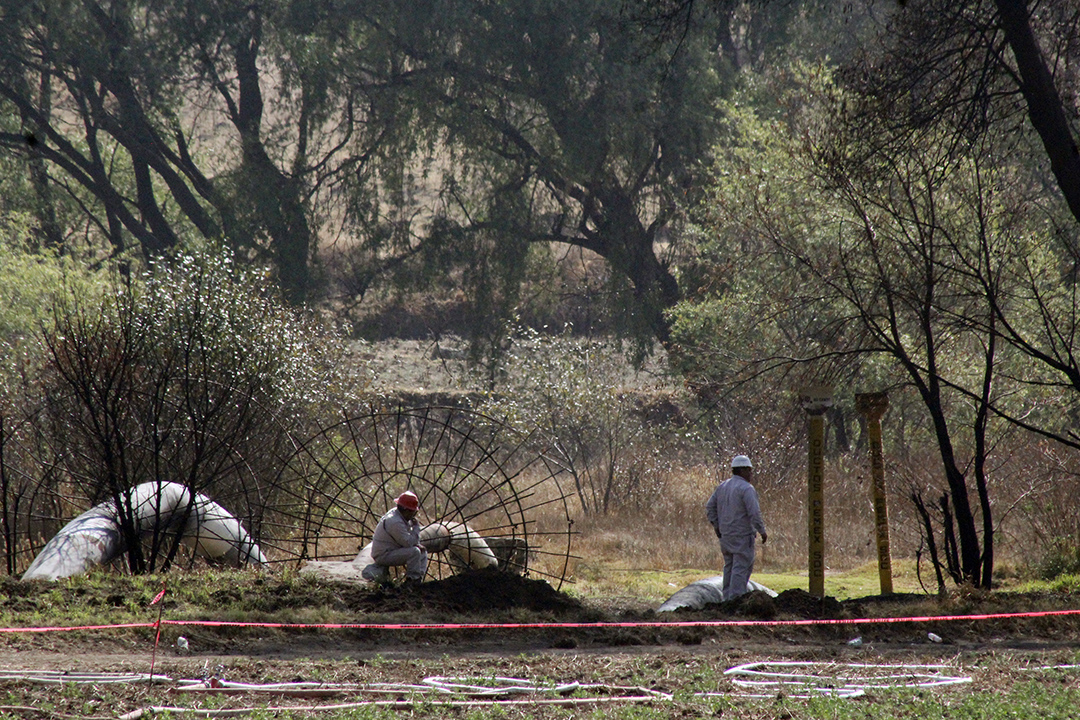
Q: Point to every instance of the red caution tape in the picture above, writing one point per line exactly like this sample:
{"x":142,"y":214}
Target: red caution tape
{"x":636,"y":624}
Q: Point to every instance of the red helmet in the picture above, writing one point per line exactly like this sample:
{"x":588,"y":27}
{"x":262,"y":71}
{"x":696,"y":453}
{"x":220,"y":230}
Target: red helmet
{"x":408,"y":500}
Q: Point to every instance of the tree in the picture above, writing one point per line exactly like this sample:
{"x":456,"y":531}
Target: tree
{"x":1045,"y":105}
{"x":165,"y":121}
{"x":441,"y":139}
{"x":1001,"y":67}
{"x":583,"y":125}
{"x":967,"y":58}
{"x":759,"y":34}
{"x":867,"y":250}
{"x":549,"y":124}
{"x":983,"y":62}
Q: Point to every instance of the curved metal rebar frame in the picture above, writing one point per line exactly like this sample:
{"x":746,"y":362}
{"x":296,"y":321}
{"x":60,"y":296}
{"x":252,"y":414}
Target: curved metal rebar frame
{"x":465,"y":467}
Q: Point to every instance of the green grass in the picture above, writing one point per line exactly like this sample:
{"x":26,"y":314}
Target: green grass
{"x":1023,"y":700}
{"x":655,"y":586}
{"x":999,"y":690}
{"x":1064,"y":584}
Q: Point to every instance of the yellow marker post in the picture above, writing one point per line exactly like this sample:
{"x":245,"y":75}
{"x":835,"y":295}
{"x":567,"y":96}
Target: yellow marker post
{"x":815,"y":401}
{"x":873,"y":406}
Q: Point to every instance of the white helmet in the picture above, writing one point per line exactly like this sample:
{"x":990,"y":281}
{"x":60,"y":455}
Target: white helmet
{"x":741,"y":461}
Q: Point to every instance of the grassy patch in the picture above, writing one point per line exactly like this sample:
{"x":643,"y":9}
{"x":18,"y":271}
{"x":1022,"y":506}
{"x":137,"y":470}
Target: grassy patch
{"x":654,"y":586}
{"x":689,"y":684}
{"x":1063,"y":584}
{"x":1023,"y":700}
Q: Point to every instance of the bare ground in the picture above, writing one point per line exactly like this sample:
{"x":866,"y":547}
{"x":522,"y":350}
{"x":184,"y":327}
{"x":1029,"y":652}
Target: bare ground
{"x":627,"y":647}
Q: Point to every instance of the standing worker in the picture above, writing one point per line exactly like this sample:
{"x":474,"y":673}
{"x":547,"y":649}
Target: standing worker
{"x":734,"y":513}
{"x":396,"y":542}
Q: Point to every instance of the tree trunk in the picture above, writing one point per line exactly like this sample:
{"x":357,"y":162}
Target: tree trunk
{"x":44,"y":205}
{"x":1045,"y":107}
{"x":970,"y":556}
{"x":276,"y":197}
{"x":628,"y":246}
{"x":981,"y":422}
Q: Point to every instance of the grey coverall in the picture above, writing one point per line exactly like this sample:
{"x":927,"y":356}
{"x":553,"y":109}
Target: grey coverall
{"x":734,"y":512}
{"x":396,"y":542}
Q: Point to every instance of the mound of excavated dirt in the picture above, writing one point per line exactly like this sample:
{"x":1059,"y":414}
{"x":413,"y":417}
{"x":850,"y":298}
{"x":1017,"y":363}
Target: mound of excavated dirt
{"x":789,"y":605}
{"x":801,"y":604}
{"x":478,"y":591}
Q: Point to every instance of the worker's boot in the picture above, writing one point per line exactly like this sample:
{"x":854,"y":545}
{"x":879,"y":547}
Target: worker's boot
{"x":376,"y":574}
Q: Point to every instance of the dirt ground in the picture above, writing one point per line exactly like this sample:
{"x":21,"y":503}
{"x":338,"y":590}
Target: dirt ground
{"x":632,"y":648}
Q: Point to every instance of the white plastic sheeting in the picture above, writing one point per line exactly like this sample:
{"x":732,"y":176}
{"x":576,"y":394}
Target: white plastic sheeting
{"x":698,"y":594}
{"x":801,"y":678}
{"x":94,"y":538}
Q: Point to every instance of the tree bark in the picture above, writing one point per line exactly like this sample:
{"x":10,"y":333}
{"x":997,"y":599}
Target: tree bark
{"x":276,"y":196}
{"x":1045,"y":107}
{"x":621,"y":239}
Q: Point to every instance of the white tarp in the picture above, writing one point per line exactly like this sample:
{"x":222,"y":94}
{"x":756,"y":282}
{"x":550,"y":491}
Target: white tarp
{"x":94,"y":537}
{"x":698,"y":594}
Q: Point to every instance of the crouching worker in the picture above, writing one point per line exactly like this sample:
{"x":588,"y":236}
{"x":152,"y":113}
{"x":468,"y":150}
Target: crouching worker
{"x":396,"y":542}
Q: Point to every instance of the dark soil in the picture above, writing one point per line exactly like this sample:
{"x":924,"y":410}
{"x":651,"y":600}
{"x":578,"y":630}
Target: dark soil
{"x":602,"y":644}
{"x":788,"y":605}
{"x":477,"y":592}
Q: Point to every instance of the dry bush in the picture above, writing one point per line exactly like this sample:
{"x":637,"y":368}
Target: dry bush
{"x":1036,"y":490}
{"x":569,"y":396}
{"x":1034,"y":487}
{"x":194,"y":373}
{"x":673,"y":533}
{"x":667,"y":534}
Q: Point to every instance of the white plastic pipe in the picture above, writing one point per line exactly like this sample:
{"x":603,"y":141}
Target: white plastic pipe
{"x":94,"y":538}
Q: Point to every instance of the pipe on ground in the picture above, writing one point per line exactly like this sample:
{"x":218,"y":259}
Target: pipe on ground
{"x":94,"y":538}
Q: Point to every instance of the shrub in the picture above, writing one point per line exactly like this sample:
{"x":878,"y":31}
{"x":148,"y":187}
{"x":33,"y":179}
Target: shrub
{"x":1061,"y":557}
{"x":569,"y":394}
{"x":29,"y":281}
{"x":194,"y":374}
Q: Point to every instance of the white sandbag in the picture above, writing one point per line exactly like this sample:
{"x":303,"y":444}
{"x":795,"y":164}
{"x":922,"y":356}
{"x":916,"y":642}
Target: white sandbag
{"x":469,"y":548}
{"x":89,"y":540}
